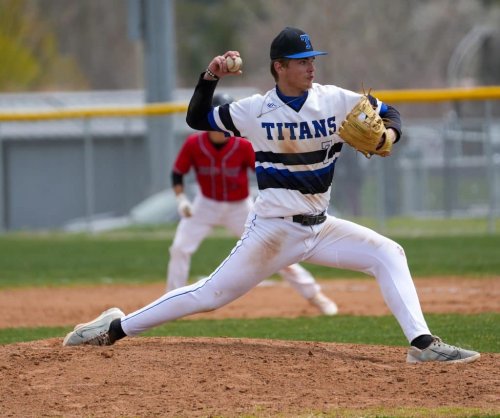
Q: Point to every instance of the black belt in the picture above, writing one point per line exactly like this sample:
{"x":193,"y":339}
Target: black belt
{"x":308,"y":220}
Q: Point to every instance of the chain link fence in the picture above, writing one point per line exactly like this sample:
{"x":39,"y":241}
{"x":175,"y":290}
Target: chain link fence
{"x":75,"y":164}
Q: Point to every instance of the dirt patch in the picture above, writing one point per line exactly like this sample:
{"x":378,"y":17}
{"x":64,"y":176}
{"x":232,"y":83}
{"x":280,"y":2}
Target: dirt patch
{"x":202,"y":377}
{"x":69,"y":306}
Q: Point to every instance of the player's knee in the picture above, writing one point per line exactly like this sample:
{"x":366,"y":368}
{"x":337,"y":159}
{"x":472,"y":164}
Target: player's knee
{"x":178,"y":252}
{"x":392,"y":255}
{"x":295,"y":273}
{"x":396,"y":249}
{"x":387,"y":252}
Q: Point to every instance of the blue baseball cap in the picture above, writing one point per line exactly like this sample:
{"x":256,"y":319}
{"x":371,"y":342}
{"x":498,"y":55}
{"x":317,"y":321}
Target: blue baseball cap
{"x":293,"y":43}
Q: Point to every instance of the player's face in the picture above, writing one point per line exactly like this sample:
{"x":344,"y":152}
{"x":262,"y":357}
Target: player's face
{"x":297,"y":76}
{"x":218,"y":137}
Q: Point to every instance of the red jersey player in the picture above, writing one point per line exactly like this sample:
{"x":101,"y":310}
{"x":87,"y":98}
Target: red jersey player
{"x":221,"y":164}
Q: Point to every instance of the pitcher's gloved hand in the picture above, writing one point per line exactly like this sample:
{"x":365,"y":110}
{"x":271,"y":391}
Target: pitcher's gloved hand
{"x":364,"y":130}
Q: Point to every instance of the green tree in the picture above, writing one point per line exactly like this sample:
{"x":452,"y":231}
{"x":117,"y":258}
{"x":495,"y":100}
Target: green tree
{"x":29,"y":49}
{"x":206,"y":28}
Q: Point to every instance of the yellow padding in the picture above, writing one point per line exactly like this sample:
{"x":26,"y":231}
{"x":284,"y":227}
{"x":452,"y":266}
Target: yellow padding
{"x":159,"y":109}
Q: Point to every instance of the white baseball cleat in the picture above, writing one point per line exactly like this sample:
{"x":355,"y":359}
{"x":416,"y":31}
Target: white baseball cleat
{"x":94,"y":332}
{"x":324,"y":304}
{"x":440,"y":351}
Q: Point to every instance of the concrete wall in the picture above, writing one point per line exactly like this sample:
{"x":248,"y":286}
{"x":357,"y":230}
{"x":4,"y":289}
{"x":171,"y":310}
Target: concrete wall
{"x":45,"y":180}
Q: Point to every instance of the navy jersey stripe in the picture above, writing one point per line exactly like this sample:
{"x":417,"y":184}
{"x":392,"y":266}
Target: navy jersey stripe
{"x":226,"y":119}
{"x":306,"y":182}
{"x":296,"y":159}
{"x":291,"y":159}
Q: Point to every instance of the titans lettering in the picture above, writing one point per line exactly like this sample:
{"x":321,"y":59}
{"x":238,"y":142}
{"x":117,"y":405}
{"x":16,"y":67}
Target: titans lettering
{"x":302,"y":130}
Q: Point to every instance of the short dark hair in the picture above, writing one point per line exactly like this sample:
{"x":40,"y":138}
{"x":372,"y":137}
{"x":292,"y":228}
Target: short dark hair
{"x":283,"y":61}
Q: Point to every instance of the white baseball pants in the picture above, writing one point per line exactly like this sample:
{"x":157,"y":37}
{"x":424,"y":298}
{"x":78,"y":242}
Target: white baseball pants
{"x":268,"y":245}
{"x":207,"y":214}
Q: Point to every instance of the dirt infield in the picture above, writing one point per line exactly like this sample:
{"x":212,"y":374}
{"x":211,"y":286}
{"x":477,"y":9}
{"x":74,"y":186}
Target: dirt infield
{"x":209,"y":377}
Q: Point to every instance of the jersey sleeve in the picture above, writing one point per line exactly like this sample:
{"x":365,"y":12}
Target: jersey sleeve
{"x":249,"y":154}
{"x":350,"y":98}
{"x":234,"y":118}
{"x":183,"y":161}
{"x":390,"y":115}
{"x":197,"y":116}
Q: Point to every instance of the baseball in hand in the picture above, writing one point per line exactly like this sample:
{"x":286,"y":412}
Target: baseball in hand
{"x":233,"y":64}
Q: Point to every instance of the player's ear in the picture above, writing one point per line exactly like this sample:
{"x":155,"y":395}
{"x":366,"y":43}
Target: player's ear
{"x":278,"y":66}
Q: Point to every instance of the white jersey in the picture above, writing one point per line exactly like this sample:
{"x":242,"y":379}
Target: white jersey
{"x":295,"y":151}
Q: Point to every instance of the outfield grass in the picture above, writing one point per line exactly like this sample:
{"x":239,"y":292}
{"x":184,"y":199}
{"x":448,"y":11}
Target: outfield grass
{"x":393,"y":227}
{"x":61,"y":260}
{"x":141,"y":255}
{"x":480,"y":331}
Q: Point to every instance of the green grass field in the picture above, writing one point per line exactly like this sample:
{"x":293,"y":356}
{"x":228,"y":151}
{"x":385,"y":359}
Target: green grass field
{"x":141,"y":255}
{"x":480,"y":332}
{"x":61,"y":259}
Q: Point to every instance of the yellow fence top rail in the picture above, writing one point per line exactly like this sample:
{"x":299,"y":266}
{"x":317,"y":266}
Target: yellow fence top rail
{"x":439,"y":95}
{"x":153,"y":109}
{"x":159,"y":109}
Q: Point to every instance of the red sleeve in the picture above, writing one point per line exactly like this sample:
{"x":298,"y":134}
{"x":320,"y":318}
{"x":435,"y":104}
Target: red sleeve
{"x":183,"y":162}
{"x":249,"y":154}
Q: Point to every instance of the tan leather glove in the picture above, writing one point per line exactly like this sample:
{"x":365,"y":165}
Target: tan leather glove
{"x":364,"y":130}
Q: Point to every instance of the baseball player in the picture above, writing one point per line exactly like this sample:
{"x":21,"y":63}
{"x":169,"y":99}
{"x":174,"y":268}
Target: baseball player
{"x":294,"y":132}
{"x":221,"y":164}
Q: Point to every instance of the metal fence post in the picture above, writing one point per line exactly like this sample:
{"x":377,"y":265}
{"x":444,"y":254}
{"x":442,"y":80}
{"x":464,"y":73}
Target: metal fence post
{"x":381,"y":195}
{"x":3,"y":197}
{"x":128,"y":155}
{"x":88,"y":169}
{"x":490,"y":158}
{"x":496,"y":189}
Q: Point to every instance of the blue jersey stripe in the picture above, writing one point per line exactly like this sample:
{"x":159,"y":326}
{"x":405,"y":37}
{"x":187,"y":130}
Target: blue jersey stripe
{"x":212,"y":122}
{"x":306,"y":182}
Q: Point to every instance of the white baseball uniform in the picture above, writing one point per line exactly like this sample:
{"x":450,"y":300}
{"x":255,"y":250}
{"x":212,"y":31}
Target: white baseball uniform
{"x":222,"y":200}
{"x":193,"y":230}
{"x":296,"y":151}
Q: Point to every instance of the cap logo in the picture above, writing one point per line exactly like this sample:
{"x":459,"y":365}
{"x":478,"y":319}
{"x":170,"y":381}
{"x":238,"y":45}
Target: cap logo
{"x":305,"y":38}
{"x":292,"y":43}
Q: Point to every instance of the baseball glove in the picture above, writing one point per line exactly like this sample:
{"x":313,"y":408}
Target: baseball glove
{"x":364,"y":130}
